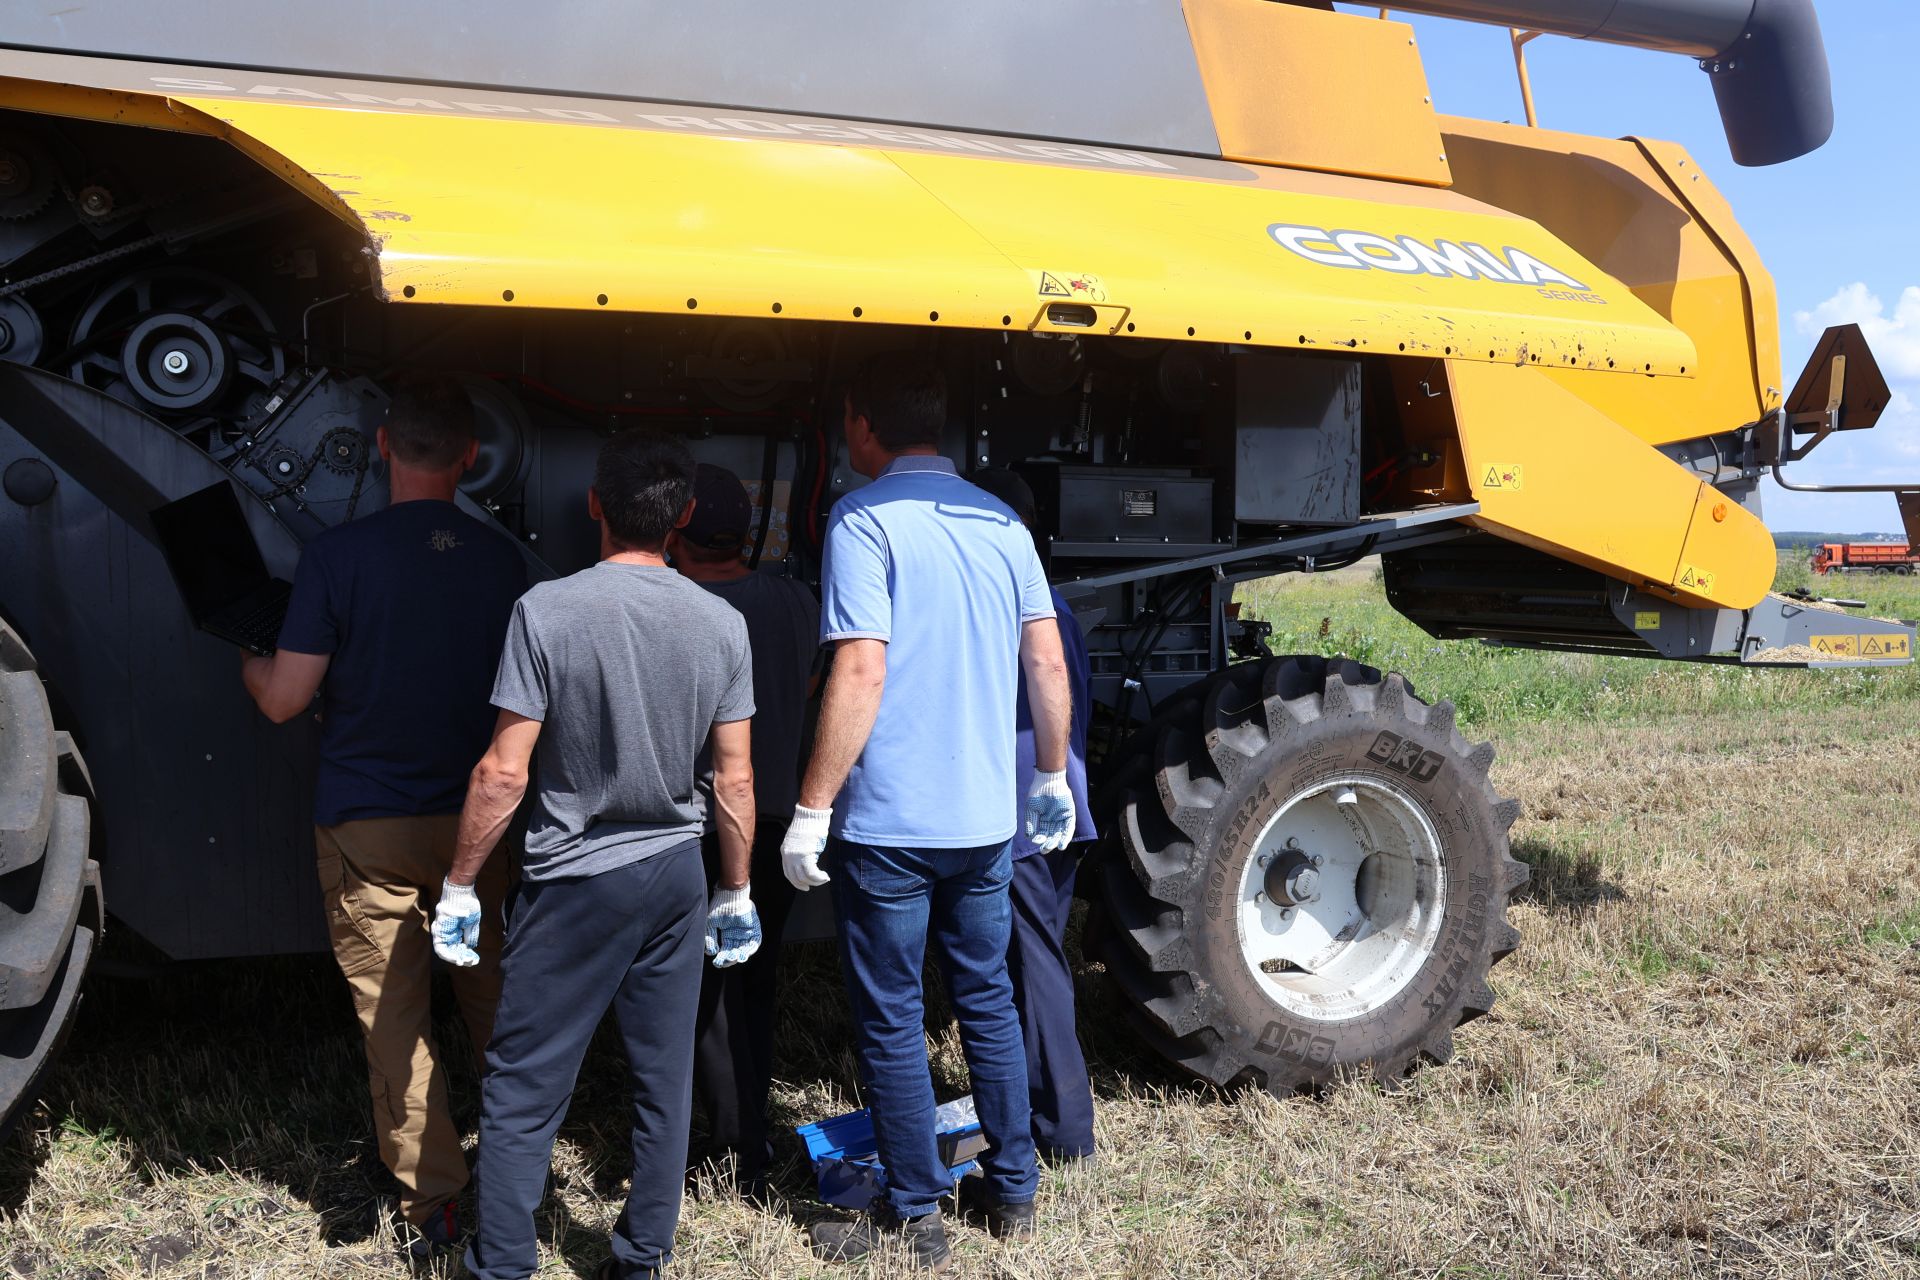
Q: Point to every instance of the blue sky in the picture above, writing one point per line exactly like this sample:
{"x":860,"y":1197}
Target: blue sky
{"x":1840,"y":229}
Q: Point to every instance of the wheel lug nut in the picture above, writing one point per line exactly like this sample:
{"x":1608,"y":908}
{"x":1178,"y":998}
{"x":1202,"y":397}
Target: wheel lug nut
{"x":1260,"y":898}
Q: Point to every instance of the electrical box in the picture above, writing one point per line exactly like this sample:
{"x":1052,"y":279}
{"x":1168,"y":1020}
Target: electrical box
{"x":1135,"y":511}
{"x":1296,"y":440}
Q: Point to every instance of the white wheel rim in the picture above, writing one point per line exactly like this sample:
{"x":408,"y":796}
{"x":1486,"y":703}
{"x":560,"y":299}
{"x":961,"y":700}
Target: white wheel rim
{"x":1374,"y":919}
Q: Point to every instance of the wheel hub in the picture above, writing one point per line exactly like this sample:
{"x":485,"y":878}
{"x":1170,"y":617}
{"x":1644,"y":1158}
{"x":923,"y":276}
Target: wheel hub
{"x":1293,"y":877}
{"x":1342,"y":899}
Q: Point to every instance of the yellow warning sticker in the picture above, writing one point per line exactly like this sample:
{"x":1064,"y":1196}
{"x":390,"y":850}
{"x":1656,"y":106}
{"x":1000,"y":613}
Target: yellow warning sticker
{"x":1695,"y":579}
{"x":1505,"y":476}
{"x":1646,"y":620}
{"x":1877,"y":647}
{"x":1077,"y":285}
{"x":1885,"y":647}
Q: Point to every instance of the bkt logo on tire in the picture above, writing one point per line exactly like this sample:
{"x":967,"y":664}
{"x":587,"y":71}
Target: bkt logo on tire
{"x":1395,"y":752}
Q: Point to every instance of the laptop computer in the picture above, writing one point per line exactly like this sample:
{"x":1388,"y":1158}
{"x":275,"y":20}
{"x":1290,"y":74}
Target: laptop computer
{"x":217,"y":566}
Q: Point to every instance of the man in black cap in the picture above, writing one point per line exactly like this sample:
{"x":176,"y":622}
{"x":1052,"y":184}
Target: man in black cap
{"x":733,"y":1049}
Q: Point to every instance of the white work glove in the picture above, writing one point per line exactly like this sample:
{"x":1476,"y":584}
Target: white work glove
{"x":1050,"y":816}
{"x":456,"y":925}
{"x":800,"y":851}
{"x":733,"y":926}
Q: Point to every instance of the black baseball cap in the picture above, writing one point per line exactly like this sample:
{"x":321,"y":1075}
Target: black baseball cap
{"x":722,"y":513}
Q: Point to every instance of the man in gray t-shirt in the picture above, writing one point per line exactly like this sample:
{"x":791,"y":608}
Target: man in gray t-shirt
{"x":611,"y":683}
{"x":733,"y":1046}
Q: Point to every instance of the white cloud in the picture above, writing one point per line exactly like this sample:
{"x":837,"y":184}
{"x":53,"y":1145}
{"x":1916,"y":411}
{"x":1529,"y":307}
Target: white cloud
{"x":1895,"y":337}
{"x":1888,"y":453}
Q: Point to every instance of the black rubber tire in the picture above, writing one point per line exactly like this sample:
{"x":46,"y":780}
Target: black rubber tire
{"x":1189,"y":807}
{"x":50,"y":904}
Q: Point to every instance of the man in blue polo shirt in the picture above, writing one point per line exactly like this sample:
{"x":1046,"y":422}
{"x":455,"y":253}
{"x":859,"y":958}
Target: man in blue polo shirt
{"x":936,"y":604}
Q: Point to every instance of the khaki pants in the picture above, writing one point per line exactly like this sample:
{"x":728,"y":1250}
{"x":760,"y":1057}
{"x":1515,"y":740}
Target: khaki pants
{"x":381,"y":879}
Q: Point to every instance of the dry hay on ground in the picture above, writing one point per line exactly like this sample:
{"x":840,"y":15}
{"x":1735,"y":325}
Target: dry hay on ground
{"x":1702,"y":1064}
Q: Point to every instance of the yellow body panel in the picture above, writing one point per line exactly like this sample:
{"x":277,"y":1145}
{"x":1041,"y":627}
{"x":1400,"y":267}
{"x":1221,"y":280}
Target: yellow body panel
{"x":1295,"y":86}
{"x":1728,"y":557}
{"x":1552,"y":472}
{"x":1647,"y":216}
{"x":552,"y":214}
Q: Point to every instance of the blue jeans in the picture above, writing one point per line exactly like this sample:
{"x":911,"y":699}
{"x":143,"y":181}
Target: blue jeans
{"x":890,"y":900}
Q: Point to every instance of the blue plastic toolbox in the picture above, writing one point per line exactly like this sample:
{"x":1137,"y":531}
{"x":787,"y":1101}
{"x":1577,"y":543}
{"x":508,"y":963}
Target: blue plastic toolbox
{"x":847,"y":1166}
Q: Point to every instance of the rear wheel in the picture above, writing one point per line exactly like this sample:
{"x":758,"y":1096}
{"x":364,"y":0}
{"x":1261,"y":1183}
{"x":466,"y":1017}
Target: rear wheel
{"x":1311,"y":877}
{"x":49,"y":885}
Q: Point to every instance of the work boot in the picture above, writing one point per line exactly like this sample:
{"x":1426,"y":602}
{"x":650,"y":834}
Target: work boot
{"x":925,"y":1238}
{"x":1000,"y":1218}
{"x":439,"y":1233}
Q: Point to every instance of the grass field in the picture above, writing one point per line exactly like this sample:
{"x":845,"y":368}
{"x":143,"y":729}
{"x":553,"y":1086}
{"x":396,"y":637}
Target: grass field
{"x":1703,"y":1063}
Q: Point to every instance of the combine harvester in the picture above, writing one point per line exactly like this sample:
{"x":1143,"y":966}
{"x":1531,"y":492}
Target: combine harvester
{"x":1215,"y":276}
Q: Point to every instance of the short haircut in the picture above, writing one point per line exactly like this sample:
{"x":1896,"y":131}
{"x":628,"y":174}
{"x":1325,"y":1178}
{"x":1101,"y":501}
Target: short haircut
{"x":429,"y":421}
{"x":645,"y":480}
{"x":903,"y":397}
{"x":1011,"y":488}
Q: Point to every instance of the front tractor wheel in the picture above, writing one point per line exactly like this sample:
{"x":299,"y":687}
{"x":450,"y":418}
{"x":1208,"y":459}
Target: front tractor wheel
{"x":1311,"y":877}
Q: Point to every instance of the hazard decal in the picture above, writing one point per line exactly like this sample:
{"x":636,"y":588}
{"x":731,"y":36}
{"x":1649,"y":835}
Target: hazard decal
{"x":1504,"y":476}
{"x":1078,"y":286}
{"x":1877,"y":647}
{"x":1695,"y":579}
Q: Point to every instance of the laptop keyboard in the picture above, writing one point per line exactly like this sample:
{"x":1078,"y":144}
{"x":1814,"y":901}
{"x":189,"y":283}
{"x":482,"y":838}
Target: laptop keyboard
{"x":259,"y":619}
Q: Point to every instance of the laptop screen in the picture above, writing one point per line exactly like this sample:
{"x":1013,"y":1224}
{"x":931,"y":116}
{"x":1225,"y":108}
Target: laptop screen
{"x":214,"y":558}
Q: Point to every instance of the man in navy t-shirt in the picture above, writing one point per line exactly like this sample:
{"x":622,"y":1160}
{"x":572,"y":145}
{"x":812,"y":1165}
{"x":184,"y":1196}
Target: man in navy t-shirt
{"x":401,"y":616}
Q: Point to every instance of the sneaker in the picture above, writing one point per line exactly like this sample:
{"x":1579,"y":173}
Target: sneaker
{"x":925,"y":1238}
{"x":440,"y":1232}
{"x":978,"y":1205}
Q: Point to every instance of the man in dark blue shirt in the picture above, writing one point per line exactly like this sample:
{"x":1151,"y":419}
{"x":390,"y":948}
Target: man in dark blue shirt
{"x":402,"y":615}
{"x":1042,"y":894}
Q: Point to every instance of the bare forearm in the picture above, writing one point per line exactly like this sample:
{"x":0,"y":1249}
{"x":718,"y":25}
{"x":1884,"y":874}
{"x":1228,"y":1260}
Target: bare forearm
{"x":1052,"y":702}
{"x":735,"y":822}
{"x":492,"y":798}
{"x":847,"y":713}
{"x":256,"y":673}
{"x":283,"y":685}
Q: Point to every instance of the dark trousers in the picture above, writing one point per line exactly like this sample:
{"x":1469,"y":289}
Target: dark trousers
{"x":733,"y":1043}
{"x":1057,"y":1084}
{"x":891,"y":901}
{"x":631,"y":939}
